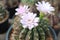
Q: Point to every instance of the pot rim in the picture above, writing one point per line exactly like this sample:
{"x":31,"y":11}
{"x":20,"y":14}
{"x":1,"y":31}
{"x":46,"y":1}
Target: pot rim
{"x":53,"y":32}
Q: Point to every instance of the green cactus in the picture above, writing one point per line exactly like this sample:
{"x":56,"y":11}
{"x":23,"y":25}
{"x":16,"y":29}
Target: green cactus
{"x":2,"y":13}
{"x":37,"y":33}
{"x":41,"y":32}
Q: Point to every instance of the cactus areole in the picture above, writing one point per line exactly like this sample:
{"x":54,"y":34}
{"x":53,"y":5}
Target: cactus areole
{"x":27,"y":26}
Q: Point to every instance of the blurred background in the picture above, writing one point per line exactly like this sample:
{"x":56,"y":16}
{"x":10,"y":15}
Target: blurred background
{"x":6,"y":17}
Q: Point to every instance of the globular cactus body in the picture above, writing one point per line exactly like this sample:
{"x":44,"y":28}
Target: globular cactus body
{"x":37,"y":33}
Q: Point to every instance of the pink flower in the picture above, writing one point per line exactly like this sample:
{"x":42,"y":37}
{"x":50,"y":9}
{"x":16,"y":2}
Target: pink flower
{"x":29,"y":21}
{"x":22,"y":10}
{"x":45,"y":7}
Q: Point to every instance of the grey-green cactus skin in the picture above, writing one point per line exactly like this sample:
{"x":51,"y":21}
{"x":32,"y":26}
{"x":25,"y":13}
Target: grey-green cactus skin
{"x":38,"y":33}
{"x":44,"y":24}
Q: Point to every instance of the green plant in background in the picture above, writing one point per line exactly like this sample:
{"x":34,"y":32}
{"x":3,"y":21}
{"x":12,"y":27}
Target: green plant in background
{"x":2,"y":12}
{"x":29,"y":26}
{"x":29,"y":2}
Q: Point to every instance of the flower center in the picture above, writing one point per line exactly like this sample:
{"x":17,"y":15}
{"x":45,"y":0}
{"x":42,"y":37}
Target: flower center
{"x":30,"y":21}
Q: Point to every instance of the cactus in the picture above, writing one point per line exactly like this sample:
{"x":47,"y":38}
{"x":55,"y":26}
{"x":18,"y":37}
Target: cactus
{"x":22,"y":31}
{"x":2,"y":13}
{"x":39,"y":33}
